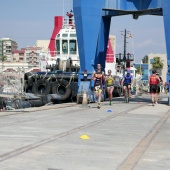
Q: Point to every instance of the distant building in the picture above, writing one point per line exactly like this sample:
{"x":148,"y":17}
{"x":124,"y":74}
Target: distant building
{"x":6,"y":48}
{"x":14,"y":66}
{"x":1,"y":49}
{"x":43,"y":44}
{"x":33,"y":56}
{"x":19,"y":56}
{"x":45,"y":52}
{"x":147,"y":67}
{"x":163,"y":57}
{"x":0,"y":56}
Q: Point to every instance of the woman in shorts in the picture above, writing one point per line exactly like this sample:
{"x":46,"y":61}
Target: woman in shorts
{"x":110,"y":81}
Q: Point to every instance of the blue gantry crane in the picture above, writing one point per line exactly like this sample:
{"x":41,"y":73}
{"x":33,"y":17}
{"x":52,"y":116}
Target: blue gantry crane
{"x":93,"y":18}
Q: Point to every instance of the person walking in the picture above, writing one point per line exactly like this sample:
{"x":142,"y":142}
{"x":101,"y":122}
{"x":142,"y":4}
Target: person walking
{"x":153,"y":82}
{"x":2,"y":104}
{"x":98,"y":77}
{"x":159,"y":86}
{"x":110,"y":81}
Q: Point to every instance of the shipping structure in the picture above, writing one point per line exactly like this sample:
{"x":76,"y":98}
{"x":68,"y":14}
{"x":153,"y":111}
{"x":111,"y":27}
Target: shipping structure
{"x":59,"y":75}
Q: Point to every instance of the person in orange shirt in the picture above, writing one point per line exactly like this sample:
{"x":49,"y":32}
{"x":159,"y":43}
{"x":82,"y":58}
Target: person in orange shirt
{"x":154,"y":81}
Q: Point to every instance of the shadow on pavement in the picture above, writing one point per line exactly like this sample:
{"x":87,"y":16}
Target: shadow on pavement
{"x":140,"y":99}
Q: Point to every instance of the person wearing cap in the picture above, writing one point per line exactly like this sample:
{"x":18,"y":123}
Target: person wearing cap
{"x":127,"y":82}
{"x":110,"y":81}
{"x":154,"y":81}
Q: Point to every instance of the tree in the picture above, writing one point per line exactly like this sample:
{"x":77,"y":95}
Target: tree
{"x":157,"y":64}
{"x":145,"y":59}
{"x":3,"y":58}
{"x":139,"y":70}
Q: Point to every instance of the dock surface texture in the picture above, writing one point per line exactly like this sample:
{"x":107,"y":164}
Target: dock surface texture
{"x":124,"y":136}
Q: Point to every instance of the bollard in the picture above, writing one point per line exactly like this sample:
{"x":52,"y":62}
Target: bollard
{"x":84,"y":102}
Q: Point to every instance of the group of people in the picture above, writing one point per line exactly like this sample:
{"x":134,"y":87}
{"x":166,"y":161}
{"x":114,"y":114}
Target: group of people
{"x":100,"y":79}
{"x":109,"y":80}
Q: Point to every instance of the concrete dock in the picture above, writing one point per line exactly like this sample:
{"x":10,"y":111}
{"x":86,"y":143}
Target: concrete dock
{"x":67,"y":136}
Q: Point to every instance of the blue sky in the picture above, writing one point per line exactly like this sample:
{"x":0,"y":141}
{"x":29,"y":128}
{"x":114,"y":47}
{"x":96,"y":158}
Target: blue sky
{"x":26,"y":21}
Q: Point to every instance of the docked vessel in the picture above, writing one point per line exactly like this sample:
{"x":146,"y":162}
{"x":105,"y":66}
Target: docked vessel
{"x":58,"y":76}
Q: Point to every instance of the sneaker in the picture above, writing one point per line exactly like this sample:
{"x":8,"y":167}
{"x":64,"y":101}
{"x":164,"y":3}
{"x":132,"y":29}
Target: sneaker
{"x":152,"y":104}
{"x":98,"y":106}
{"x":156,"y":102}
{"x":110,"y":103}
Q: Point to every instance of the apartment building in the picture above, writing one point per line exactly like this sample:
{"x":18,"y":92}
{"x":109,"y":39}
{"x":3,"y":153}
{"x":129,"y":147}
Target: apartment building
{"x":1,"y":50}
{"x":43,"y":44}
{"x":7,"y":47}
{"x":33,"y":56}
{"x":19,"y":56}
